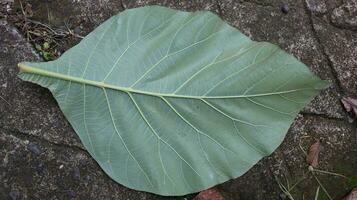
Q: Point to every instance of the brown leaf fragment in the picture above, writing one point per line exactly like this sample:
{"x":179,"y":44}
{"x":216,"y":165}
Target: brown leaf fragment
{"x":350,"y":104}
{"x":210,"y":194}
{"x":313,"y":156}
{"x":352,"y":195}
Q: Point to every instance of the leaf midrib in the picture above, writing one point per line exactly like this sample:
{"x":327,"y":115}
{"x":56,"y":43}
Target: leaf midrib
{"x":32,"y":70}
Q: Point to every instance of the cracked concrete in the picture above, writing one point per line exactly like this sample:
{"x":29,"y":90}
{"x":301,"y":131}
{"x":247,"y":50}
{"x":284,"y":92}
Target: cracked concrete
{"x":288,"y":161}
{"x":28,"y":103}
{"x":293,"y":33}
{"x":42,"y":158}
{"x":335,"y":32}
{"x":54,"y":172}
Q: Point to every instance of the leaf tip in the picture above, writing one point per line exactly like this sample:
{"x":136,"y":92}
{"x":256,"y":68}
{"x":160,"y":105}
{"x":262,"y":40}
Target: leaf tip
{"x":322,"y":84}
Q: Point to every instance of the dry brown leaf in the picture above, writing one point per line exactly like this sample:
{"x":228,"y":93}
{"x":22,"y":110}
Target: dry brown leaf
{"x":313,"y":156}
{"x":210,"y":194}
{"x":352,"y":195}
{"x":350,"y":104}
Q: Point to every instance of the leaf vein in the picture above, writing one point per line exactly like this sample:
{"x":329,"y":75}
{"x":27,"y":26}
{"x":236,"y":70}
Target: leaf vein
{"x":270,"y":108}
{"x":133,"y":43}
{"x":158,"y":136}
{"x":122,"y":139}
{"x":196,"y":129}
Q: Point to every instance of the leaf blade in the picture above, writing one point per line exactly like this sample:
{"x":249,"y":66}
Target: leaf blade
{"x":191,"y":108}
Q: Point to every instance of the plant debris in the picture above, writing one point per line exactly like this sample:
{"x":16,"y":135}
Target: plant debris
{"x":49,"y":38}
{"x":313,"y":155}
{"x":350,"y":104}
{"x":352,"y":195}
{"x":210,"y":194}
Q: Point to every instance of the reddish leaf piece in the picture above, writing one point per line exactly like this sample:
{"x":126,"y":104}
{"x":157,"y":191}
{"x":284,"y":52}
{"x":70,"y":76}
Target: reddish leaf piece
{"x":352,"y":195}
{"x":313,"y":156}
{"x":210,"y":194}
{"x":350,"y":104}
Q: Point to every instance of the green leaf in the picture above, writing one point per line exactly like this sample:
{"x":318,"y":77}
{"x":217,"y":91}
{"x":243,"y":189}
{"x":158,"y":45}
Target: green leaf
{"x":38,"y":47}
{"x":320,"y":194}
{"x":352,"y":181}
{"x":174,"y":102}
{"x":47,"y":56}
{"x":46,"y":45}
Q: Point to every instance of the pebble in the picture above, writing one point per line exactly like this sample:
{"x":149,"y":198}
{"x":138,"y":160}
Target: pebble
{"x":13,"y":195}
{"x":34,"y":148}
{"x":284,"y":8}
{"x":77,"y":30}
{"x":282,"y":196}
{"x":76,"y":173}
{"x":40,"y":168}
{"x":71,"y":193}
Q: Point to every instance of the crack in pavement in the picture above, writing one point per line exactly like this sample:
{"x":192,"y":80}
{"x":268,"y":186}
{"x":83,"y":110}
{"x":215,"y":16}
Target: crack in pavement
{"x":323,"y":51}
{"x":27,"y":136}
{"x":257,"y":3}
{"x":219,"y":8}
{"x":321,"y":115}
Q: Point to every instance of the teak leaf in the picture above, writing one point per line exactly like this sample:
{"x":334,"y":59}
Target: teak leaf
{"x":174,"y":102}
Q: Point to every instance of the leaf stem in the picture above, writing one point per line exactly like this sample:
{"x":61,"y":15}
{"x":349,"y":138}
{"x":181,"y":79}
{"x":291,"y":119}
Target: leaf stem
{"x":32,"y":70}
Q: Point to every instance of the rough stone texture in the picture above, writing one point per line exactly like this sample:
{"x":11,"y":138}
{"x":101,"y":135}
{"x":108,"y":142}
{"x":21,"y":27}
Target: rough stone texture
{"x":24,"y":107}
{"x":345,"y":16}
{"x":288,"y":161}
{"x":291,"y":32}
{"x":335,"y":31}
{"x":5,"y":7}
{"x":340,"y":48}
{"x":54,"y":172}
{"x":83,"y":13}
{"x":317,"y":6}
{"x":42,"y":158}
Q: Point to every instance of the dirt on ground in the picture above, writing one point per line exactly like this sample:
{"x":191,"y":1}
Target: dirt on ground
{"x":41,"y":157}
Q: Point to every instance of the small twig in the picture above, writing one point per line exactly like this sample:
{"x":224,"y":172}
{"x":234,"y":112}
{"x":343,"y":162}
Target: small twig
{"x":301,"y":148}
{"x":56,"y":44}
{"x":330,"y":173}
{"x":299,"y":181}
{"x":283,"y":189}
{"x":44,"y":25}
{"x":287,"y":182}
{"x":71,"y":32}
{"x":48,"y":13}
{"x":23,"y":11}
{"x":5,"y":100}
{"x":78,"y":36}
{"x":323,"y":188}
{"x":317,"y":193}
{"x":34,"y":33}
